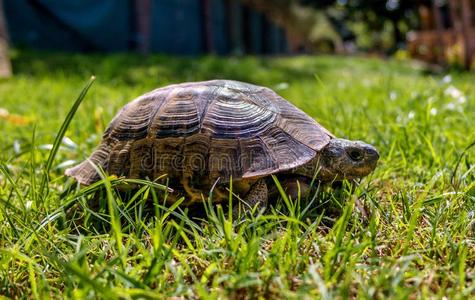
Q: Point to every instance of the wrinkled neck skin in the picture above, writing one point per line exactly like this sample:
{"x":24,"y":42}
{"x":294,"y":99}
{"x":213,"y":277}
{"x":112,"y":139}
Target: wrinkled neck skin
{"x":315,"y":168}
{"x":341,"y":159}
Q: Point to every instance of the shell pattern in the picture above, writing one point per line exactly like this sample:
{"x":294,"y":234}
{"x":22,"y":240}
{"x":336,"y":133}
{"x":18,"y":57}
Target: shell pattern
{"x":205,"y":131}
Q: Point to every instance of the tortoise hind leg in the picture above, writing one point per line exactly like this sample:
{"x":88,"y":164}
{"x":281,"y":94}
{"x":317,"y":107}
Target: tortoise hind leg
{"x":86,"y":172}
{"x":256,"y":197}
{"x":194,"y":194}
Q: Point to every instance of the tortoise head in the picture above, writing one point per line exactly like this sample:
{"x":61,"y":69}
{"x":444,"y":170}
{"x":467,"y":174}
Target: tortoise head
{"x":344,"y":159}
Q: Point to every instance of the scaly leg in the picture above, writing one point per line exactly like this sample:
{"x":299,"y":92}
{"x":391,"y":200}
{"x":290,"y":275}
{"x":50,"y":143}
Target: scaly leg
{"x":257,"y":196}
{"x":292,"y":188}
{"x":194,"y":194}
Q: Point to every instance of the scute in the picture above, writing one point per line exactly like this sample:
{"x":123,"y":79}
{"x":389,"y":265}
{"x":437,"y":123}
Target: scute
{"x":233,"y":115}
{"x":133,"y":121}
{"x":206,"y":130}
{"x":178,"y":117}
{"x":286,"y":152}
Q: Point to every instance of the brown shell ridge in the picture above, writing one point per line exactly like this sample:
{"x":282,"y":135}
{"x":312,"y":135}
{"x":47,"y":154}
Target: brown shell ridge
{"x":272,"y":107}
{"x":232,"y":116}
{"x":178,"y":116}
{"x":157,"y":110}
{"x":263,"y":171}
{"x":205,"y":108}
{"x":299,"y":126}
{"x":133,"y":121}
{"x":291,"y":119}
{"x":298,"y":155}
{"x":302,"y":159}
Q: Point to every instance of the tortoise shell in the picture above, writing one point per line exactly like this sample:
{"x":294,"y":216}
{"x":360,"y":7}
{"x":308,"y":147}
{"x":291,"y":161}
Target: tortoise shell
{"x":204,"y":131}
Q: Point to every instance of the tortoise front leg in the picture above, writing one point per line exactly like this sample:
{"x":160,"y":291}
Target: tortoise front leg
{"x":256,"y":197}
{"x":294,"y":187}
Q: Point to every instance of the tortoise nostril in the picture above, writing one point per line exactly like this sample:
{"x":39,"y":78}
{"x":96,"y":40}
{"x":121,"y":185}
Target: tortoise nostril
{"x":372,"y":153}
{"x":355,"y":154}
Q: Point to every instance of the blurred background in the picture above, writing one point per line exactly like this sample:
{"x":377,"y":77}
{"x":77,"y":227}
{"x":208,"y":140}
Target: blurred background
{"x":438,"y":32}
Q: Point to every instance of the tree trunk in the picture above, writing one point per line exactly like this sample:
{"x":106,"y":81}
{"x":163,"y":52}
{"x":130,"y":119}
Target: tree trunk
{"x":397,"y":35}
{"x":5,"y":66}
{"x":439,"y":49}
{"x":467,"y":33}
{"x":207,"y":24}
{"x":143,"y":23}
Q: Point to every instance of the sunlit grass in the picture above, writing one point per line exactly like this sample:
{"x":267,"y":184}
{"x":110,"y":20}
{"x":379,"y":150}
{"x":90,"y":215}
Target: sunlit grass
{"x":406,"y":230}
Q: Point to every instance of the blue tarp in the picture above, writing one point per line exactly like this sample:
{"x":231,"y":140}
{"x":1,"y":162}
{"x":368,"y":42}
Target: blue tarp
{"x":177,"y":26}
{"x":69,"y":25}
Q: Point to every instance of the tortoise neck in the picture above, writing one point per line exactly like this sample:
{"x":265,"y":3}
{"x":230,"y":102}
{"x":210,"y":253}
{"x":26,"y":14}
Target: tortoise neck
{"x":310,"y":168}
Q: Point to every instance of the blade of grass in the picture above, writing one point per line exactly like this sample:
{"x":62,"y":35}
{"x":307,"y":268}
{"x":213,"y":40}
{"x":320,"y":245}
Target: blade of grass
{"x":459,"y":160}
{"x":62,"y":132}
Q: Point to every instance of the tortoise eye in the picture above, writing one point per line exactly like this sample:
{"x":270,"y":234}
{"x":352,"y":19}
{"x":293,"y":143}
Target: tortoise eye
{"x":355,"y":154}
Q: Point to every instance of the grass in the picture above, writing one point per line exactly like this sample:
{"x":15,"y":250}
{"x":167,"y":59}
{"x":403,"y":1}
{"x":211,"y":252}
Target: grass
{"x":406,"y":231}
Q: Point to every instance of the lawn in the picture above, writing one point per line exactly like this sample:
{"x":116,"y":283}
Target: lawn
{"x":406,"y":231}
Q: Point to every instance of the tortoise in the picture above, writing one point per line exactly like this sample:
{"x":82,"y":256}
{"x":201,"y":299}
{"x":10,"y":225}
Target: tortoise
{"x":203,"y":133}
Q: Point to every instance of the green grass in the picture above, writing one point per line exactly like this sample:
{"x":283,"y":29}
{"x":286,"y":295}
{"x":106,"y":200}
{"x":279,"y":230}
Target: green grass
{"x":406,"y":231}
